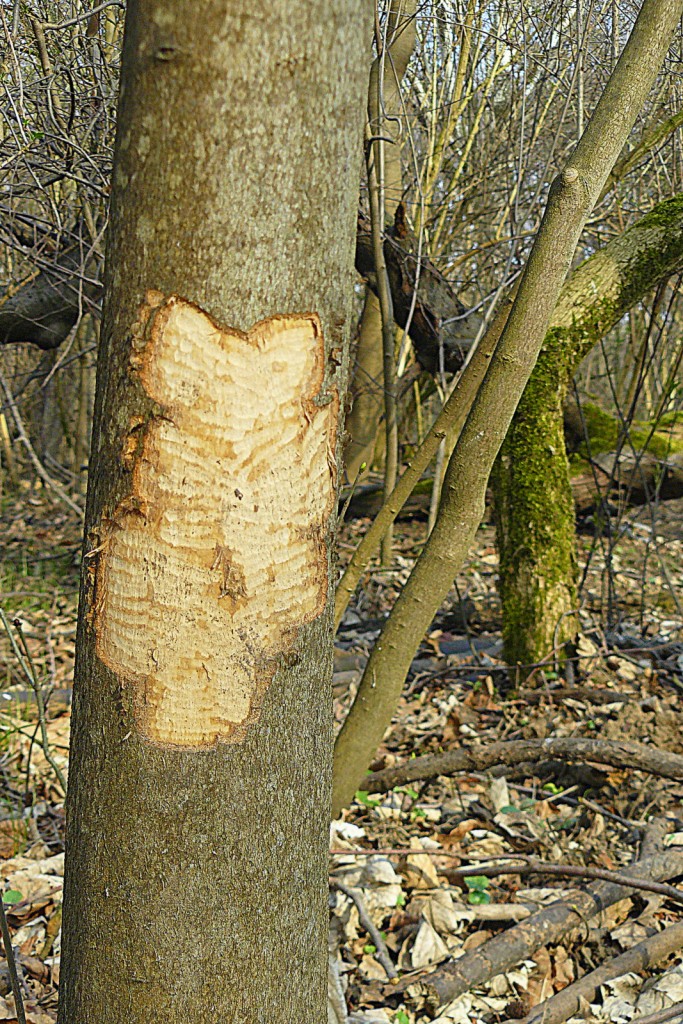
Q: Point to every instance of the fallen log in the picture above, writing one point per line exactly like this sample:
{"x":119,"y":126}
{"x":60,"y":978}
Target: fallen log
{"x":568,"y":1002}
{"x":519,"y":942}
{"x":421,"y":296}
{"x":628,"y":479}
{"x":631,"y":478}
{"x":42,"y":309}
{"x":617,"y":754}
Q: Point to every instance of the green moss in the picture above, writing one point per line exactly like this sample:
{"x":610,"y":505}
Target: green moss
{"x":535,"y":518}
{"x":647,"y":264}
{"x":578,"y":465}
{"x":534,"y":505}
{"x":665,"y":214}
{"x":604,"y":432}
{"x":670,"y":420}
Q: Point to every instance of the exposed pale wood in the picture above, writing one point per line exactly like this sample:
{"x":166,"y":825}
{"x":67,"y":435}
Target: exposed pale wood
{"x":199,"y":567}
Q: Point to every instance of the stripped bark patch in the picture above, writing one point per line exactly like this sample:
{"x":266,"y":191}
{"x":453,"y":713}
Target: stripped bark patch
{"x":216,"y":557}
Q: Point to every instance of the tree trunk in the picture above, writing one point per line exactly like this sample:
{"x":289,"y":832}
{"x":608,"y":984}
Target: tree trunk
{"x":533,"y":496}
{"x":198,"y":808}
{"x":384,"y":119}
{"x":365,"y":414}
{"x":42,"y":309}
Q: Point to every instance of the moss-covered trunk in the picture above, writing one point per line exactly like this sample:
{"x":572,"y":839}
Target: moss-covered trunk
{"x":533,"y":497}
{"x":198,"y":808}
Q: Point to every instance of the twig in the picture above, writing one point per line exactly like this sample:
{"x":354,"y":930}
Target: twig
{"x":535,"y":867}
{"x":572,"y":871}
{"x":50,"y":27}
{"x":37,"y":464}
{"x":352,"y":491}
{"x":366,"y":921}
{"x":11,"y":964}
{"x":29,"y":672}
{"x":401,"y":852}
{"x":661,"y":1015}
{"x":566,"y":1003}
{"x":630,"y":823}
{"x":448,"y":422}
{"x":29,"y":754}
{"x":33,"y":679}
{"x":376,"y":195}
{"x":590,"y":694}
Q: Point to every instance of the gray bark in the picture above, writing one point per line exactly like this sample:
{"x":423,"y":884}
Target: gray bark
{"x":43,"y":309}
{"x":195,"y":885}
{"x":439,"y":319}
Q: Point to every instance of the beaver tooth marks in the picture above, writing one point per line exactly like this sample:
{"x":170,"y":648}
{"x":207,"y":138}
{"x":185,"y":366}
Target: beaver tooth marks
{"x":217,"y":555}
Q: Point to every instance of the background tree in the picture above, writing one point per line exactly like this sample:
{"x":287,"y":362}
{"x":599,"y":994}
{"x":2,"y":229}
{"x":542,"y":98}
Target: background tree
{"x":541,"y":75}
{"x":571,"y":200}
{"x":395,"y":46}
{"x":533,"y":496}
{"x":490,"y":113}
{"x":195,"y":886}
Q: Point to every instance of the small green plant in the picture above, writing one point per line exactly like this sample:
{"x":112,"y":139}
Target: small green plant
{"x":550,"y":787}
{"x":401,"y":1017}
{"x":363,"y":797}
{"x":12,"y":896}
{"x":477,"y":886}
{"x":412,"y":793}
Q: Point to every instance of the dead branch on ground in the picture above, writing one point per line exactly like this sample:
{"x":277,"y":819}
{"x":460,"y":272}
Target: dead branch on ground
{"x":616,"y":754}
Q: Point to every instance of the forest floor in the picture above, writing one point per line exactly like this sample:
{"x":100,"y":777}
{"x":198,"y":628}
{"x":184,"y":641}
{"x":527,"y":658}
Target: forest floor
{"x":417,"y":885}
